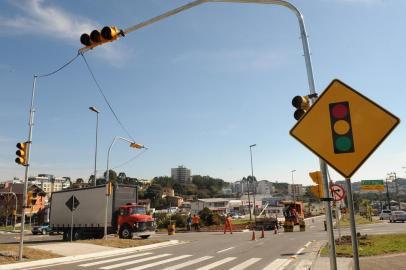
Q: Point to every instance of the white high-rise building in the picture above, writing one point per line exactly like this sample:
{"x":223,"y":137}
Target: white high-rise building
{"x":181,"y":174}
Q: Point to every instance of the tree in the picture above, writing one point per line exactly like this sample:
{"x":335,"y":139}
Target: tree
{"x":91,"y":180}
{"x":153,"y":192}
{"x":79,"y":181}
{"x":112,"y":176}
{"x":121,"y":178}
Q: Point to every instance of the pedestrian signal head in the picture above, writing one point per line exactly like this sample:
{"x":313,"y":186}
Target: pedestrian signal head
{"x":21,"y":154}
{"x":302,"y":105}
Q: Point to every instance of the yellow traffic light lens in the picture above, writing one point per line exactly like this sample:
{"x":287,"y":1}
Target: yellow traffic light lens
{"x":341,"y":127}
{"x":85,"y":40}
{"x":19,"y":161}
{"x":95,"y":36}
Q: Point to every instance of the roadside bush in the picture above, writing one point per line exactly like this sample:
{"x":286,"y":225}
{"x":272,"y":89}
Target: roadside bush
{"x":162,"y":220}
{"x":209,"y":218}
{"x":180,"y":220}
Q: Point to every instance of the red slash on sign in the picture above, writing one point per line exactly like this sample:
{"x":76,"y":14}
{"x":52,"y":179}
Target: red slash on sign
{"x":338,"y":192}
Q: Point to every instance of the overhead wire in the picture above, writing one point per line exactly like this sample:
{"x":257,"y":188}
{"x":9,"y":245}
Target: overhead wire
{"x":59,"y":69}
{"x":130,"y":160}
{"x":104,"y":96}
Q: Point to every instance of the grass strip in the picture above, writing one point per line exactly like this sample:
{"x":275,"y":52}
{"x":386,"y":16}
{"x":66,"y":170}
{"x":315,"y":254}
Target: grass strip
{"x":371,"y":245}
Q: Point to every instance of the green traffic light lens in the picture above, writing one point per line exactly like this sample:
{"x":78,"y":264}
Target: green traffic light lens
{"x":343,"y":143}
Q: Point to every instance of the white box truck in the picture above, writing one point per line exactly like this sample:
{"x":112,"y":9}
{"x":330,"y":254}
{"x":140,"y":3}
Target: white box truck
{"x":82,"y":212}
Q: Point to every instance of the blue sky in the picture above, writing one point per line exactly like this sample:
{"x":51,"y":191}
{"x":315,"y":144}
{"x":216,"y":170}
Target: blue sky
{"x":197,"y":88}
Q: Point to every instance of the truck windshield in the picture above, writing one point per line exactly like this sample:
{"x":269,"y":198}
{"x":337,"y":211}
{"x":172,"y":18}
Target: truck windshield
{"x":138,"y":210}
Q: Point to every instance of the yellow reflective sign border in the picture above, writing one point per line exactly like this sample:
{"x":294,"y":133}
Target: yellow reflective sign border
{"x":368,"y":154}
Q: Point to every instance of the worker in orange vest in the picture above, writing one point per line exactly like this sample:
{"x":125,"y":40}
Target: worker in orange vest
{"x":196,"y":222}
{"x":228,"y":224}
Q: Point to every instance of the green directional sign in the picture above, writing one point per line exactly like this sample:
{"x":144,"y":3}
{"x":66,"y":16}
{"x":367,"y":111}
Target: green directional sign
{"x":372,"y":185}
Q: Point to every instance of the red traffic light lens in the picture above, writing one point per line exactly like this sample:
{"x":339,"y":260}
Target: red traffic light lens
{"x":339,"y":111}
{"x":106,"y":33}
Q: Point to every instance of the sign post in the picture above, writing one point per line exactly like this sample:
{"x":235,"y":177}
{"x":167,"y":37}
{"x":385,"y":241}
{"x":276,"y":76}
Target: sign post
{"x":354,"y":239}
{"x":72,"y":203}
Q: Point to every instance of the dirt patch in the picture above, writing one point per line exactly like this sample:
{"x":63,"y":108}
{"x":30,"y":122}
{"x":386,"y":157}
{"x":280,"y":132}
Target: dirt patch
{"x":9,"y":253}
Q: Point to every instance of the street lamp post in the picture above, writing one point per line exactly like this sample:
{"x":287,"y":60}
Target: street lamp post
{"x":293,"y":188}
{"x":133,"y":145}
{"x":387,"y":193}
{"x":394,"y":179}
{"x":253,"y":181}
{"x":95,"y":150}
{"x":246,"y":180}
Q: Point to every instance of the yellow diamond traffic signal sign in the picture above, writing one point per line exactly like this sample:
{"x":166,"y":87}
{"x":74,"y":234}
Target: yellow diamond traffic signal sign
{"x":317,"y":178}
{"x":344,"y":127}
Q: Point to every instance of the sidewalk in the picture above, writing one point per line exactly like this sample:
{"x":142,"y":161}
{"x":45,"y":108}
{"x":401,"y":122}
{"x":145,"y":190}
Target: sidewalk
{"x":387,"y":262}
{"x":71,"y":249}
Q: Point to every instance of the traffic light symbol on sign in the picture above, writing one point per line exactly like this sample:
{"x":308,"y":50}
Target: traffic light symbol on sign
{"x":98,"y":37}
{"x":21,"y":154}
{"x":341,"y":128}
{"x":317,"y":178}
{"x":302,"y":105}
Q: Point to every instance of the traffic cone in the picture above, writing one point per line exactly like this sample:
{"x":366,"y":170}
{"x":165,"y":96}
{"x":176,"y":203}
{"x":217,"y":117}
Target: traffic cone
{"x":262,"y":233}
{"x":253,"y":236}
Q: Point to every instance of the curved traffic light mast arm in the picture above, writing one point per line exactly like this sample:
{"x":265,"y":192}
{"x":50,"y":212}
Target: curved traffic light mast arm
{"x":190,"y":5}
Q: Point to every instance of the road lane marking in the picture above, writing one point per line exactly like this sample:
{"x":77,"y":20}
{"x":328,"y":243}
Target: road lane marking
{"x":188,"y":263}
{"x":245,"y":264}
{"x":215,"y":264}
{"x":297,"y":253}
{"x":220,"y":251}
{"x":115,"y":259}
{"x":277,"y":264}
{"x":136,"y":261}
{"x":308,"y":244}
{"x":159,"y":263}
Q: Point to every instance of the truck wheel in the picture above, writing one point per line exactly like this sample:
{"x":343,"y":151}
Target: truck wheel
{"x":144,"y":236}
{"x":76,"y":236}
{"x":66,"y":236}
{"x":126,"y":233}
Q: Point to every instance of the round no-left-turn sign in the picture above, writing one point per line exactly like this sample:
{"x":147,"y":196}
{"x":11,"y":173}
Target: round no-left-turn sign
{"x":338,"y":192}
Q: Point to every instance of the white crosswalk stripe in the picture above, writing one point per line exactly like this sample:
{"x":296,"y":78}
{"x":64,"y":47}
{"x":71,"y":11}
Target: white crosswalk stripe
{"x":115,"y":259}
{"x":188,"y":263}
{"x":277,"y":264}
{"x":245,"y":264}
{"x":159,"y":263}
{"x":215,"y":264}
{"x":135,"y":261}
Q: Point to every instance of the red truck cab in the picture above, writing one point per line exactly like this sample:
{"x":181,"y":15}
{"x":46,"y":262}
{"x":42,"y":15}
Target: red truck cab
{"x":133,"y":220}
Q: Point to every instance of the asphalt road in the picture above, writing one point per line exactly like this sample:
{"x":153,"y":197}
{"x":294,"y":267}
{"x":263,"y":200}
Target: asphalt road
{"x":204,"y":251}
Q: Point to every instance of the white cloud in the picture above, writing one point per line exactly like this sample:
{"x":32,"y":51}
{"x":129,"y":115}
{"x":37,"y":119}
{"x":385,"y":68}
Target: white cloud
{"x":38,"y":18}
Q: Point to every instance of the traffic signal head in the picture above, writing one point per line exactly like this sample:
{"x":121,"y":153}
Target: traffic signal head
{"x":136,"y":145}
{"x":302,"y":105}
{"x":21,"y":154}
{"x":29,"y":199}
{"x":96,"y":37}
{"x":317,"y":178}
{"x":341,"y":129}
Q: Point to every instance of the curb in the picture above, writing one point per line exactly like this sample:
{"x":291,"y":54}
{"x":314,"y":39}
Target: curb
{"x":76,"y":258}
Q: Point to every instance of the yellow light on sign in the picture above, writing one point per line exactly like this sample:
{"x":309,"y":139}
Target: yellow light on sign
{"x":344,"y":127}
